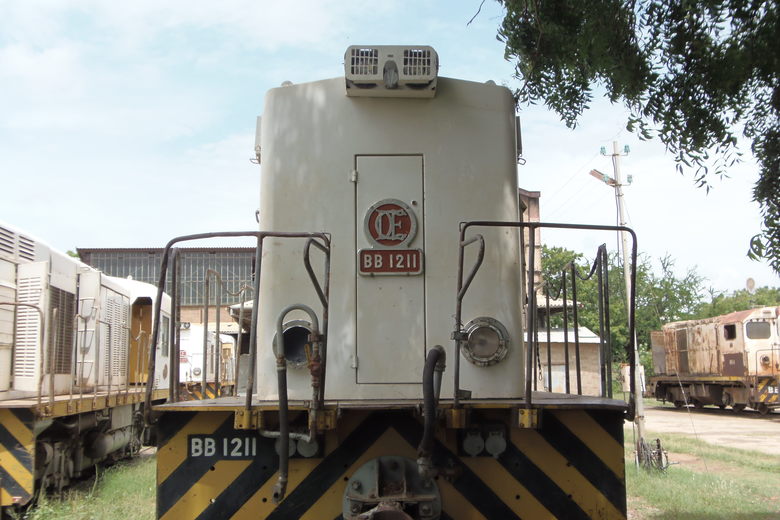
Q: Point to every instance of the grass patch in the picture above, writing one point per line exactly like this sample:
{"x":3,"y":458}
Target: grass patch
{"x":124,"y":491}
{"x":738,"y":484}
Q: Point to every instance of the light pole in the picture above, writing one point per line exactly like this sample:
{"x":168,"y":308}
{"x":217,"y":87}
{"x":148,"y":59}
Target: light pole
{"x":617,"y":184}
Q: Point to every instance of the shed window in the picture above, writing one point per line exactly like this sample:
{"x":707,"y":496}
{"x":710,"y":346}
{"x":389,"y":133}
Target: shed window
{"x":758,"y":330}
{"x":730,"y":331}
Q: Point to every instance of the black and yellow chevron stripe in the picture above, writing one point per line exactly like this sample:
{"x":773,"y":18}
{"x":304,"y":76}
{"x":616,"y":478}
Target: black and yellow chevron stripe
{"x":767,"y":390}
{"x":211,"y":393}
{"x":17,"y":456}
{"x":572,"y":468}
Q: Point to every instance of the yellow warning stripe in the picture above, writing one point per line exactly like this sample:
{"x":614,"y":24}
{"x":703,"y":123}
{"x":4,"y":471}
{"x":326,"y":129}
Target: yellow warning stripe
{"x":22,"y":435}
{"x":331,"y":500}
{"x":389,"y":442}
{"x":16,"y":470}
{"x":207,"y":488}
{"x":504,"y":485}
{"x":174,"y":453}
{"x":565,"y":476}
{"x":456,"y":503}
{"x":595,"y":437}
{"x":17,"y":428}
{"x":763,"y":385}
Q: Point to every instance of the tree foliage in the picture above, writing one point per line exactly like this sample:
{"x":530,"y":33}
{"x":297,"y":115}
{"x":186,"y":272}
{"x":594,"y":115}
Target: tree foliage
{"x":693,"y":73}
{"x":662,"y":295}
{"x":722,"y":303}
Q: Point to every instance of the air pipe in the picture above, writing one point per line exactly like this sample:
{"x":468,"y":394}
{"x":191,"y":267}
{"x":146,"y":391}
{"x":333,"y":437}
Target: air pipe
{"x":280,"y":487}
{"x":432,"y":375}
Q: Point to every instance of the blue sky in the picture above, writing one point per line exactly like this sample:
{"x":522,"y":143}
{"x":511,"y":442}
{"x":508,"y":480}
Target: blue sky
{"x":123,"y":124}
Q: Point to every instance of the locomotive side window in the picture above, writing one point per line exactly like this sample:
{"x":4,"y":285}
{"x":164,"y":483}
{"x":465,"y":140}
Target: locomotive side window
{"x":758,"y":330}
{"x":730,"y":331}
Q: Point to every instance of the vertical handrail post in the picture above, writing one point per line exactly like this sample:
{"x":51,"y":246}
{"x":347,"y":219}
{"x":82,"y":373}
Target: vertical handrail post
{"x":576,"y":327}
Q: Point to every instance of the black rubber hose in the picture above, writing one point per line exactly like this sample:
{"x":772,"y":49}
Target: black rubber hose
{"x":429,"y":399}
{"x":284,"y":429}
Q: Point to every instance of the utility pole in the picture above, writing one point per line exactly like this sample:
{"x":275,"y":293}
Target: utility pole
{"x":617,"y":184}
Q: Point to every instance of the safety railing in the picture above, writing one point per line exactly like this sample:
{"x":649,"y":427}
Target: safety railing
{"x":170,"y":256}
{"x":569,"y":279}
{"x":569,"y":276}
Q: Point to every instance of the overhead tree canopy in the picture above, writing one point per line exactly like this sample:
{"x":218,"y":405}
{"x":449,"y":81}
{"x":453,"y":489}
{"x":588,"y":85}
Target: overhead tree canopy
{"x":694,"y":73}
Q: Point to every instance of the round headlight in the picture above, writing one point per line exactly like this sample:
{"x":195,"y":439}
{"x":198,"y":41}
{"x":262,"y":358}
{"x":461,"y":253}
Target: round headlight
{"x":487,"y":342}
{"x":196,"y":371}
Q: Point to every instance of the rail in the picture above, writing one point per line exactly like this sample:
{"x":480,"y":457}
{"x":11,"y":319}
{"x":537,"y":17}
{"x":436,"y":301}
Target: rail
{"x":319,"y":240}
{"x":217,"y":366}
{"x":570,"y":273}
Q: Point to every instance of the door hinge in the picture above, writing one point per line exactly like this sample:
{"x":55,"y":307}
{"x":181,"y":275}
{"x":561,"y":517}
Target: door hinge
{"x":353,"y":176}
{"x":354,"y":362}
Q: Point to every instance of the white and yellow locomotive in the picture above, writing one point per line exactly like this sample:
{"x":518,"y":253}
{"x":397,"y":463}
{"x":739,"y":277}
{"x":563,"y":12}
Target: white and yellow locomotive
{"x":393,"y":365}
{"x":74,"y":357}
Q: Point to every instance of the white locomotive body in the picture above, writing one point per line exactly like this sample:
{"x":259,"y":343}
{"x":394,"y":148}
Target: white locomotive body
{"x":74,"y":358}
{"x":387,"y":373}
{"x":448,"y":159}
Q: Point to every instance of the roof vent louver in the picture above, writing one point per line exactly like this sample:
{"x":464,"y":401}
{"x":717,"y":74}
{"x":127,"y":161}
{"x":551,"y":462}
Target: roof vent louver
{"x":26,"y":248}
{"x":16,"y":247}
{"x":7,"y":241}
{"x":391,"y":71}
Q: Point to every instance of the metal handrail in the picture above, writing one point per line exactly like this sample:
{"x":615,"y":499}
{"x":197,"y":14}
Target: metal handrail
{"x":462,"y":288}
{"x":260,"y":236}
{"x":532,"y":305}
{"x":324,"y":295}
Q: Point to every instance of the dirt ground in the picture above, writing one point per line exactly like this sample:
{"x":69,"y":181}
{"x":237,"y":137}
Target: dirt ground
{"x":746,"y":430}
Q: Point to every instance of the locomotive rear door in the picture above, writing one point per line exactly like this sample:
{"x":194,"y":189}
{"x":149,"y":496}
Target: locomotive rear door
{"x":389,"y":247}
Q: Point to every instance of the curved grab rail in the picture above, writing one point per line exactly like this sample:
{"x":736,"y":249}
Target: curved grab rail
{"x":260,"y":236}
{"x":462,"y":288}
{"x":531,"y":324}
{"x":324,"y":295}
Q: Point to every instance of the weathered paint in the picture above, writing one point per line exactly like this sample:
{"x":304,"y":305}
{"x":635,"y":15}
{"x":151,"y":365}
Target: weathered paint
{"x":572,"y":467}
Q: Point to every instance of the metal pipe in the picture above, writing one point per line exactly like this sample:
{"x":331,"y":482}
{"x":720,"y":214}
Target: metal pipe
{"x":576,"y":328}
{"x":462,"y":288}
{"x":173,"y":331}
{"x":605,"y":267}
{"x":51,"y":346}
{"x":602,"y":353}
{"x":434,"y":364}
{"x":217,"y":342}
{"x":549,"y":349}
{"x":204,"y":378}
{"x":250,"y":379}
{"x":259,"y":235}
{"x":324,"y":296}
{"x":531,"y":317}
{"x":280,"y":487}
{"x":565,"y":335}
{"x":217,"y":354}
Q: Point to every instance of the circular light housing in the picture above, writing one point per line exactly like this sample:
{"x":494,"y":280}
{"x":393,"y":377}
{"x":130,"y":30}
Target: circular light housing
{"x":296,"y":337}
{"x":196,"y":371}
{"x":487,"y":342}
